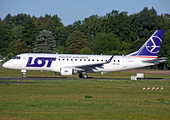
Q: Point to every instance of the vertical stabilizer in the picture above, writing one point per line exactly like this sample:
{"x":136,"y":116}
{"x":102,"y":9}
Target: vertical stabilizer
{"x":151,"y":47}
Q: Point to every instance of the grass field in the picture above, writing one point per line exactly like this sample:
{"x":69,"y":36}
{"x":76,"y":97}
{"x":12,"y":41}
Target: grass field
{"x":82,"y":99}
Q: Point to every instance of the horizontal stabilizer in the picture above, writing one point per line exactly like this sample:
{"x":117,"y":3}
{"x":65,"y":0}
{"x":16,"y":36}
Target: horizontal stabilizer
{"x":157,"y":61}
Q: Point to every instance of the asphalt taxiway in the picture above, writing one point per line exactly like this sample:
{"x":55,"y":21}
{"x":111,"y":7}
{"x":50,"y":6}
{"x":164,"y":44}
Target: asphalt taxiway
{"x":7,"y":80}
{"x":17,"y":79}
{"x":65,"y":78}
{"x":36,"y":78}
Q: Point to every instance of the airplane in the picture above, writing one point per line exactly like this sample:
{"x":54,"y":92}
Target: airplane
{"x":69,"y":64}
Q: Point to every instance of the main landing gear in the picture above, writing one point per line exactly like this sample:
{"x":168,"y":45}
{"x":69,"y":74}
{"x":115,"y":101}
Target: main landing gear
{"x":83,"y":75}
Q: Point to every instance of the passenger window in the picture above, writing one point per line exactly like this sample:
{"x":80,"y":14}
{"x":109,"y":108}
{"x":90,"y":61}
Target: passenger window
{"x":92,"y":59}
{"x":84,"y":59}
{"x":102,"y":60}
{"x":88,"y":59}
{"x":118,"y":60}
{"x":75,"y":59}
{"x":80,"y":59}
{"x":67,"y":59}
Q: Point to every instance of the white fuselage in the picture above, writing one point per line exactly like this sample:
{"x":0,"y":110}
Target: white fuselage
{"x":54,"y":62}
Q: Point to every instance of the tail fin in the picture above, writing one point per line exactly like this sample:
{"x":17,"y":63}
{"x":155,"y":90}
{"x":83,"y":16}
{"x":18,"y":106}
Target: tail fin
{"x":151,"y":47}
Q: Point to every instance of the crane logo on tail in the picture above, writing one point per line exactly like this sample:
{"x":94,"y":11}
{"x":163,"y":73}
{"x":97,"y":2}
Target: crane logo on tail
{"x":153,"y":45}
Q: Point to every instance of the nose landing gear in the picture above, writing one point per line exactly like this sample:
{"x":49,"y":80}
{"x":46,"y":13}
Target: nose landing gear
{"x":24,"y":73}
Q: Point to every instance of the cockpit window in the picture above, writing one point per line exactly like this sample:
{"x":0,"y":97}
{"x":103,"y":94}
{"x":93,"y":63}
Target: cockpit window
{"x":16,"y":57}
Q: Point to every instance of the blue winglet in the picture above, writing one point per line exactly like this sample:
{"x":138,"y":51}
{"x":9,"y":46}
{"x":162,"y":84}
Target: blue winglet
{"x":110,"y":59}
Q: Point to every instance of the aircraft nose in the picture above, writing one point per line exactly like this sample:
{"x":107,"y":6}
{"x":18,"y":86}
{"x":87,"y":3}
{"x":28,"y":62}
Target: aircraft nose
{"x":5,"y":65}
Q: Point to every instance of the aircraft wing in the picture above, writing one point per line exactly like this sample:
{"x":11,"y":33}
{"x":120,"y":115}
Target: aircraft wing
{"x":158,"y":60}
{"x":89,"y":66}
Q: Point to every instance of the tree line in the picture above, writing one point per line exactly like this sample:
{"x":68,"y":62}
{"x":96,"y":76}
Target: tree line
{"x":114,"y":33}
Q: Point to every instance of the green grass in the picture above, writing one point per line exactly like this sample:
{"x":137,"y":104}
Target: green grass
{"x":66,"y":99}
{"x":81,"y":99}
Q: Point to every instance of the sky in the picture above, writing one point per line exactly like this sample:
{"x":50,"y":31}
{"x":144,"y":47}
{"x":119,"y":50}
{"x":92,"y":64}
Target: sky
{"x":70,"y":11}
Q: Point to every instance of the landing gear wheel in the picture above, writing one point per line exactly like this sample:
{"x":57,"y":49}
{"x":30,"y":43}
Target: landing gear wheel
{"x":83,"y":75}
{"x":24,"y":75}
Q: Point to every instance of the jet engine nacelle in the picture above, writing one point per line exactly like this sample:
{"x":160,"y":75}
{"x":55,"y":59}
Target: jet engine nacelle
{"x":67,"y":71}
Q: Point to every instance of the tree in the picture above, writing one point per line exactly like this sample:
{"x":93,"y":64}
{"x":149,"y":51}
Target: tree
{"x":144,"y":22}
{"x":53,"y":24}
{"x":6,"y":37}
{"x":29,"y":33}
{"x":91,"y":25}
{"x":17,"y":31}
{"x":86,"y":50}
{"x":18,"y":20}
{"x":165,"y":45}
{"x":8,"y":20}
{"x":168,"y":62}
{"x":90,"y":29}
{"x":160,"y":22}
{"x":75,"y":42}
{"x":107,"y":42}
{"x":49,"y":24}
{"x":61,"y":49}
{"x":21,"y":47}
{"x":45,"y":43}
{"x":118,"y":24}
{"x":77,"y":25}
{"x":40,"y":24}
{"x":163,"y":22}
{"x":57,"y":21}
{"x":136,"y":45}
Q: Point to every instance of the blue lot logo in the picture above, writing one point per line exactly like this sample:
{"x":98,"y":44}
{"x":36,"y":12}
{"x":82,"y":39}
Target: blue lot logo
{"x":153,"y":45}
{"x":40,"y":62}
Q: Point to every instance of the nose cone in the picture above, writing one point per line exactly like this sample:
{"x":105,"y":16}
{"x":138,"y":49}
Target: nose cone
{"x":6,"y":65}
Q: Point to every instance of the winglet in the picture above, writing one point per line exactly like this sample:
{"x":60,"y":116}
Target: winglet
{"x":110,"y":59}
